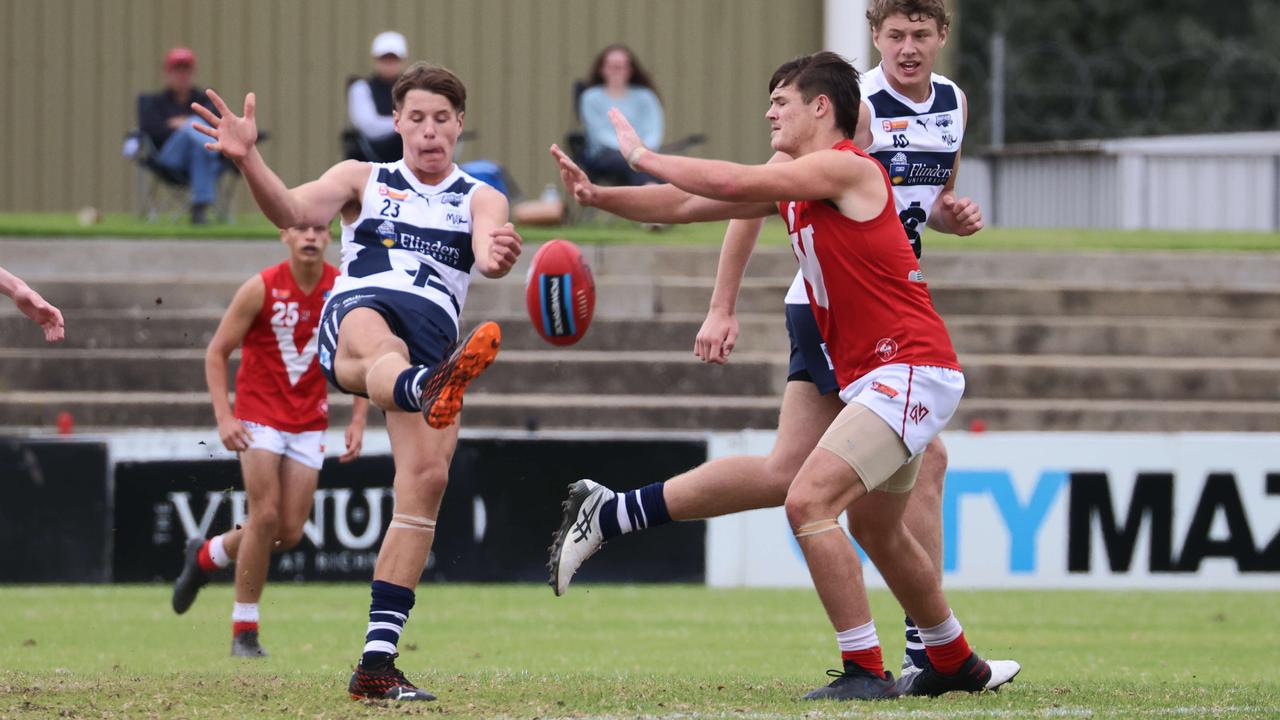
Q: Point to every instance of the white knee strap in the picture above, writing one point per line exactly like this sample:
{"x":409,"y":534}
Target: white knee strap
{"x":817,"y":527}
{"x":412,"y":522}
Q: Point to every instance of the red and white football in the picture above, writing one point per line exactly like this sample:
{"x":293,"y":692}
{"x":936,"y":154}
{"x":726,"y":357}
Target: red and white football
{"x":560,"y":293}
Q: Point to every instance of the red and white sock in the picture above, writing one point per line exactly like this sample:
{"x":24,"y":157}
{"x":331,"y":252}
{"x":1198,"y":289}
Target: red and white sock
{"x":244,"y":616}
{"x":861,"y":646}
{"x":213,"y":556}
{"x":946,"y":645}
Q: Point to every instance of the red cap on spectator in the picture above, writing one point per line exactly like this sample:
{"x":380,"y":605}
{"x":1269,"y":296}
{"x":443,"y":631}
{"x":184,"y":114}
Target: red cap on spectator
{"x":179,"y":56}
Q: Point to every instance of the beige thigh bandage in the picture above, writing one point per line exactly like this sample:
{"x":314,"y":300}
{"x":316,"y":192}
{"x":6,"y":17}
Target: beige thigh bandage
{"x":872,"y":448}
{"x":817,"y":527}
{"x":412,"y":522}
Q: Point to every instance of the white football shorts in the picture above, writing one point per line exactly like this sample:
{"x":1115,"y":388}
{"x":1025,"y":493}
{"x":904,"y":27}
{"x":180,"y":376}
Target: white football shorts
{"x":916,"y":400}
{"x":305,"y":447}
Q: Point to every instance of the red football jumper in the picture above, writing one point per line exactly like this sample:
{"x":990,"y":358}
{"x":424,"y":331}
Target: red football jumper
{"x":865,"y":287}
{"x":279,"y":383}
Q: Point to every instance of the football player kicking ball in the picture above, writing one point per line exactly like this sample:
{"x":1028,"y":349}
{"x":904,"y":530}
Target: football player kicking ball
{"x":909,"y":117}
{"x":891,"y":354}
{"x":277,"y":426}
{"x":412,"y":233}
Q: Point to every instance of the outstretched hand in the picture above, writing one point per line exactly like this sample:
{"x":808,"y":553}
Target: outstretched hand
{"x":576,"y":182}
{"x":628,"y":139}
{"x":232,"y":136}
{"x":39,"y":310}
{"x":962,"y":215}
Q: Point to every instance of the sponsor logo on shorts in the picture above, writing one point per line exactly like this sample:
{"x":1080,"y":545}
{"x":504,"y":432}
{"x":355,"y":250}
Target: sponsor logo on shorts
{"x":387,"y":192}
{"x":326,"y":360}
{"x":886,"y":349}
{"x":893,"y":125}
{"x":884,"y":390}
{"x":918,"y":413}
{"x":323,"y":407}
{"x":915,"y":276}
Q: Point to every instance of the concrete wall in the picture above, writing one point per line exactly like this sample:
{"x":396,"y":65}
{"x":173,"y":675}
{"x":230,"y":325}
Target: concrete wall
{"x":71,"y":70}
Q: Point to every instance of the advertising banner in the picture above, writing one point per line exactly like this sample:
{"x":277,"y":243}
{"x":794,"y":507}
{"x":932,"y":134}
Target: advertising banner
{"x":1071,"y":510}
{"x":55,"y":511}
{"x":501,"y":507}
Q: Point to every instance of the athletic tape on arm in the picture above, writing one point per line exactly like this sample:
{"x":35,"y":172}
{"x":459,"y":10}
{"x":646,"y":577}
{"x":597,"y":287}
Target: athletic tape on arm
{"x":412,"y":522}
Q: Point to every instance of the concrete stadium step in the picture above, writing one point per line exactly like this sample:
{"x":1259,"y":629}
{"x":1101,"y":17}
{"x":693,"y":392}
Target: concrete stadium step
{"x":1106,"y":378}
{"x":763,"y":332}
{"x":605,"y":374}
{"x":588,"y":372}
{"x":50,"y":258}
{"x":1118,"y":415}
{"x":642,"y":298}
{"x":533,"y":411}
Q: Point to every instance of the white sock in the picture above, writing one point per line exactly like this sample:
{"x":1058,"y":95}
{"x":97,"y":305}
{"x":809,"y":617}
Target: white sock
{"x":942,"y":633}
{"x":218,"y":553}
{"x":862,"y":637}
{"x":245,"y":612}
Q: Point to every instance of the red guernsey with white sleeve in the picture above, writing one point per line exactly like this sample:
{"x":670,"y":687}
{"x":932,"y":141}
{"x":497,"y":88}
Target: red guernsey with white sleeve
{"x":279,"y":383}
{"x":865,"y":287}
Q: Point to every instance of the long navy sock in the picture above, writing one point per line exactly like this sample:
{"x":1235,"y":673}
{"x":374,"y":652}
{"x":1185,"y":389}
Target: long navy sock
{"x":915,"y":646}
{"x":407,"y":393}
{"x":634,"y":510}
{"x":388,"y":612}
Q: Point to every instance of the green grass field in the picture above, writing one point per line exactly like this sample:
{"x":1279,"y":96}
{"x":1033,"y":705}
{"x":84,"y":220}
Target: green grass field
{"x":674,"y":651}
{"x":613,"y":231}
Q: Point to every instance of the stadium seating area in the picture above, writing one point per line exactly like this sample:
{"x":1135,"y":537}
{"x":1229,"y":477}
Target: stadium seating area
{"x":1144,"y":342}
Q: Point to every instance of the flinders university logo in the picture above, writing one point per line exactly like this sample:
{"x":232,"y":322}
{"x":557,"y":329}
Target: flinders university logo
{"x":898,"y":168}
{"x":387,"y":231}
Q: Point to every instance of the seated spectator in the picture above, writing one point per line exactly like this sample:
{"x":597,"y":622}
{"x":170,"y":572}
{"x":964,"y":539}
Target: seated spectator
{"x":167,"y":118}
{"x":617,"y":80}
{"x":369,"y":102}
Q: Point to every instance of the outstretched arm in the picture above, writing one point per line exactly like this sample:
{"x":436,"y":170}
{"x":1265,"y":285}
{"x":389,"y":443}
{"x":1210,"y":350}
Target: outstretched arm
{"x":494,"y":241}
{"x":650,"y":203}
{"x":313,"y":203}
{"x":824,"y":175}
{"x":32,"y":305}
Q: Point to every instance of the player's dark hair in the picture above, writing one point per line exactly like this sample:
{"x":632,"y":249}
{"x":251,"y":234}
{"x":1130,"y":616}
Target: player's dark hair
{"x":432,"y":78}
{"x":639,"y":76}
{"x":824,"y":73}
{"x":914,"y":10}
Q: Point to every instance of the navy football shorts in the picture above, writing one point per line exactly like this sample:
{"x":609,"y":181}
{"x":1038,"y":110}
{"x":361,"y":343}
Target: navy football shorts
{"x":809,"y":361}
{"x":424,"y":326}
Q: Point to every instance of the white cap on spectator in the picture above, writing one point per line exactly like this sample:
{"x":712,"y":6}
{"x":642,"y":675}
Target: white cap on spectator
{"x":390,"y":43}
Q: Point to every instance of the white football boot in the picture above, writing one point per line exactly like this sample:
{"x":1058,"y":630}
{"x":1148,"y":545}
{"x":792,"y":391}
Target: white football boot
{"x":579,"y":535}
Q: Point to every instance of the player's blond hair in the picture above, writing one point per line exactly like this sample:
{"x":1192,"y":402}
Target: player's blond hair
{"x":914,"y":10}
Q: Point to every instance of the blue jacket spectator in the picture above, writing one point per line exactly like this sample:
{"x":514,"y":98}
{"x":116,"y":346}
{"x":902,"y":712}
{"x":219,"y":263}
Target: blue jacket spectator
{"x":618,"y":80}
{"x":167,"y":118}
